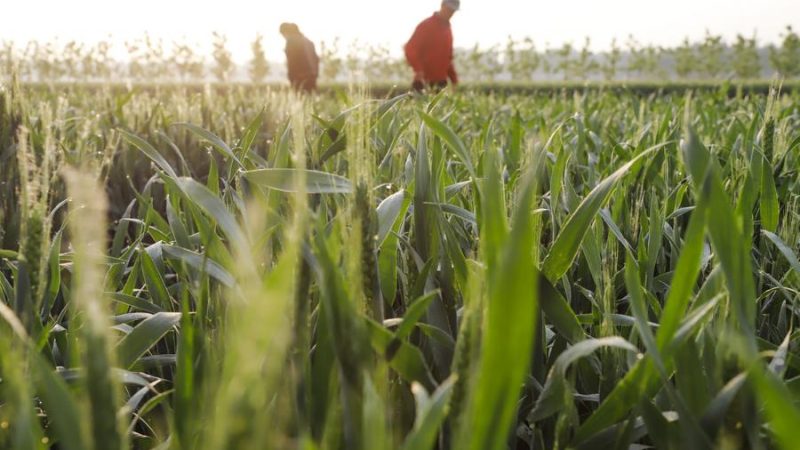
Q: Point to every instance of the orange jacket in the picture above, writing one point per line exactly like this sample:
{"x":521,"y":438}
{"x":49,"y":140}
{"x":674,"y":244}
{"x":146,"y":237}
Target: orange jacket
{"x":430,"y":51}
{"x":301,"y":59}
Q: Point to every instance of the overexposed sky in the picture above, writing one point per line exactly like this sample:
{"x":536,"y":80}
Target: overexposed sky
{"x":486,"y":22}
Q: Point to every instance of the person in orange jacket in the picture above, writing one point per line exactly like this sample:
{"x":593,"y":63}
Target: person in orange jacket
{"x":430,"y":50}
{"x":302,"y":62}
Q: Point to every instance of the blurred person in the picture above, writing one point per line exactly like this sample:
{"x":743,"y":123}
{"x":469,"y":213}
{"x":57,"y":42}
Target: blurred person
{"x":430,"y":50}
{"x":302,"y":62}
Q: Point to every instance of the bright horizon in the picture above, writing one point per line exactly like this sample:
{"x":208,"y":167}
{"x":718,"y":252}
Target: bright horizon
{"x":391,"y":23}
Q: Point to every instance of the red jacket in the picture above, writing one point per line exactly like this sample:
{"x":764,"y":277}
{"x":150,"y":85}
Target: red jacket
{"x":430,"y":51}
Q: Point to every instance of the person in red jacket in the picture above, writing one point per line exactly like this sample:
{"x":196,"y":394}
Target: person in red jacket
{"x":302,"y":62}
{"x":430,"y":50}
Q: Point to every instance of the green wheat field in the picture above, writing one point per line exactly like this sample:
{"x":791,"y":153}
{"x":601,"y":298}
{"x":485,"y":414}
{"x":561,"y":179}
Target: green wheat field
{"x":235,"y":267}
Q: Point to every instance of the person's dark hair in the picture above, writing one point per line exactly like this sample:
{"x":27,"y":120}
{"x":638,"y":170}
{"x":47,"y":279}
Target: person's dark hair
{"x":289,"y":28}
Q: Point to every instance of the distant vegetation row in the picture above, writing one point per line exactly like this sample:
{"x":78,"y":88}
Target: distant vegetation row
{"x":720,"y":88}
{"x":518,"y":60}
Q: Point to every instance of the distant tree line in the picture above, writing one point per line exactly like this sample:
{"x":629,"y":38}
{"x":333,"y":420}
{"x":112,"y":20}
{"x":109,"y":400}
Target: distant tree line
{"x":519,"y":60}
